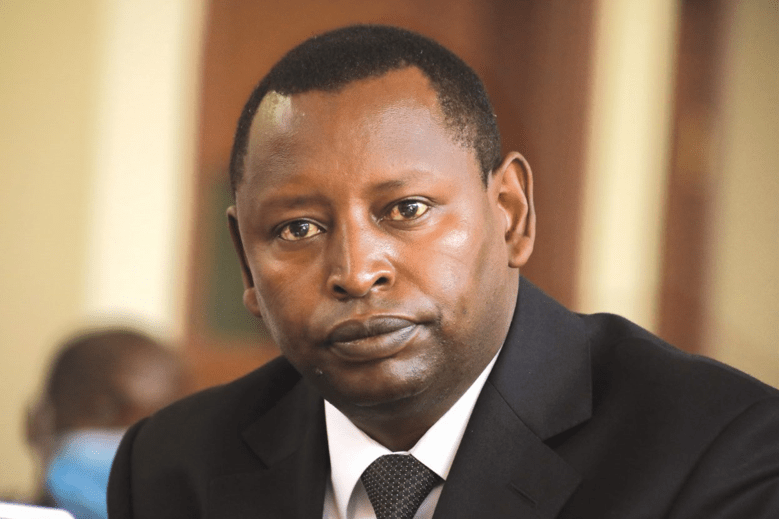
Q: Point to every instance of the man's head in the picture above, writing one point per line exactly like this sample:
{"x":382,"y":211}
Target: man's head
{"x":333,"y":60}
{"x":99,"y":383}
{"x":104,"y":379}
{"x":383,"y":263}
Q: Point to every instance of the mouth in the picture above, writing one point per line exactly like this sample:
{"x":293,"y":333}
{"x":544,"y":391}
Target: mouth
{"x":373,"y":339}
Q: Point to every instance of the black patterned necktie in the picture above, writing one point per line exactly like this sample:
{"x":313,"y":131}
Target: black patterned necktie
{"x":397,"y":484}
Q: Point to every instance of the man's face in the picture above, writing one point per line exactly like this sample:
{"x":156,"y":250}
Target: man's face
{"x":370,"y":246}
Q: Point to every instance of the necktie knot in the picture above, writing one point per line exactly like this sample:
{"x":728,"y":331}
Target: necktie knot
{"x":397,"y":484}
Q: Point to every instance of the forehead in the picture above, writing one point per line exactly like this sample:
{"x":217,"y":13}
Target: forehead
{"x":354,"y":101}
{"x":395,"y":117}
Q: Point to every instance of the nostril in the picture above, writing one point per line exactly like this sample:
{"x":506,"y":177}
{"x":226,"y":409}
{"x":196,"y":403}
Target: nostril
{"x":354,"y":284}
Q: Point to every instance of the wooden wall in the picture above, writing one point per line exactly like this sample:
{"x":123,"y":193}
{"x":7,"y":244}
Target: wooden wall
{"x":691,"y":182}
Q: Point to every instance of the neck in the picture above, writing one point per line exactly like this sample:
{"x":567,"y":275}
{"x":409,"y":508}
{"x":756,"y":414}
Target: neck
{"x":397,"y":434}
{"x":402,"y":431}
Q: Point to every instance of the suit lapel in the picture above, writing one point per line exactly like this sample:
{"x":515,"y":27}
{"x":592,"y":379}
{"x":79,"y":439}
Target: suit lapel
{"x":544,"y":371}
{"x":502,"y":470}
{"x":290,"y":440}
{"x":540,"y":387}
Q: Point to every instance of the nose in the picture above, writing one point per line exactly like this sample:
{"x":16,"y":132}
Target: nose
{"x":359,"y":261}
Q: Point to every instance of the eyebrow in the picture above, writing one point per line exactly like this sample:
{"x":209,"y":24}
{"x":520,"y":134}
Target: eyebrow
{"x":408,"y":178}
{"x":389,"y":184}
{"x":297,"y":201}
{"x":293,"y":202}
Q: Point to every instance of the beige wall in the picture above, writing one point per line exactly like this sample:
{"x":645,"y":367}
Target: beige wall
{"x":97,"y":103}
{"x":627,"y":158}
{"x":743,"y":293}
{"x":144,"y":155}
{"x":47,"y":87}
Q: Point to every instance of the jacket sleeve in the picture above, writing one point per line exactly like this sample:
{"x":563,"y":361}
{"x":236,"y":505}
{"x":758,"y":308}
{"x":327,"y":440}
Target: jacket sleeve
{"x":738,"y":476}
{"x":120,"y":482}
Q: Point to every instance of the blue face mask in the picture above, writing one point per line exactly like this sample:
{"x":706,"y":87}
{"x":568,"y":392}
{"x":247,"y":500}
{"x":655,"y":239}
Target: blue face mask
{"x":77,"y":476}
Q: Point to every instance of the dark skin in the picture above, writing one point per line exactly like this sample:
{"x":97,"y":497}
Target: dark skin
{"x":383,"y":267}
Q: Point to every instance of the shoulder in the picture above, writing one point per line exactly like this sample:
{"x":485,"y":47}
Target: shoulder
{"x":680,"y":434}
{"x":165,"y":463}
{"x":229,"y":407}
{"x":645,"y":369}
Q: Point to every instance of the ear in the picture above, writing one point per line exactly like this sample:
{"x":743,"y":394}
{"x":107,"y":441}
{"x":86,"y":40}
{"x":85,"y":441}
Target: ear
{"x":512,"y":182}
{"x":249,"y":293}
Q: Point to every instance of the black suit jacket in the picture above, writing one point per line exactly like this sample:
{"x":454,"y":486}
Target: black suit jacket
{"x":581,"y":417}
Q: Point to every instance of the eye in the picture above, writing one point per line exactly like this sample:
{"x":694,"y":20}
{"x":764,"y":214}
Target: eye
{"x":299,"y":230}
{"x":407,"y":210}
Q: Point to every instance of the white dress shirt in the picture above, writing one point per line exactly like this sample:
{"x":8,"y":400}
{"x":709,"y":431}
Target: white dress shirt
{"x":351,"y":451}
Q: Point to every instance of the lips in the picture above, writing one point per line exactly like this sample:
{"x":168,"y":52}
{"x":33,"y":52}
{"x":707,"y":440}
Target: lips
{"x":372,"y":339}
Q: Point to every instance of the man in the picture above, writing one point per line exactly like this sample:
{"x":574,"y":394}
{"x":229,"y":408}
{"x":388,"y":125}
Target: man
{"x":380,"y":236}
{"x":100,"y":382}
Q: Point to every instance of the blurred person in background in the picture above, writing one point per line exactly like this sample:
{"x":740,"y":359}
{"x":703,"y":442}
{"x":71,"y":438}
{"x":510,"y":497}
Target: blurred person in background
{"x":99,"y":383}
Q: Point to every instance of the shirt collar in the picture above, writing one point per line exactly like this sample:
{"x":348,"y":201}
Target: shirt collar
{"x":351,"y":450}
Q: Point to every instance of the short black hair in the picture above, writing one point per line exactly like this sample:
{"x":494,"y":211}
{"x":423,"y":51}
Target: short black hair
{"x":334,"y":59}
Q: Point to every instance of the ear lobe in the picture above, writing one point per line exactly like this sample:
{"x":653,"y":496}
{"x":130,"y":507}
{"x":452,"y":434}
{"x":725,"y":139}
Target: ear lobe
{"x":514,"y":181}
{"x":249,"y":294}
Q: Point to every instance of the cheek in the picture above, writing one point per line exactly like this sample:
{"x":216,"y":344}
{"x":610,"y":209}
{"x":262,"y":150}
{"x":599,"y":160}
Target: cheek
{"x":466,"y":278}
{"x":458,"y":260}
{"x":286,"y":295}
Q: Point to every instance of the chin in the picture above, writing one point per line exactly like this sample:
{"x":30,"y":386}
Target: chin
{"x":374,"y":392}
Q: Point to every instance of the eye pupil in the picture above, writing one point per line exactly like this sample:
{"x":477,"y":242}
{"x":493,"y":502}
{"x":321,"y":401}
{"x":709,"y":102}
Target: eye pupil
{"x":408,"y":209}
{"x":299,"y":229}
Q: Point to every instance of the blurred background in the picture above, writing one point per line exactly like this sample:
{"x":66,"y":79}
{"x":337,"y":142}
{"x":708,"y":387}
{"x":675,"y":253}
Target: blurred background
{"x":652,"y":129}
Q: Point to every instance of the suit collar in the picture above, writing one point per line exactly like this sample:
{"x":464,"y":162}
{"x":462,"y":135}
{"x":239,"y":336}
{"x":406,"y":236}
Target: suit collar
{"x":502,"y":470}
{"x":290,"y":441}
{"x":543,"y":372}
{"x":281,"y":430}
{"x":540,"y":386}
